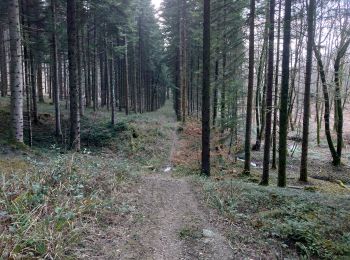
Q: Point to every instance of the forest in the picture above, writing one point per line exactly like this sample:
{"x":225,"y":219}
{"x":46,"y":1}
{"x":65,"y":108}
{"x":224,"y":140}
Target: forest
{"x":174,"y":129}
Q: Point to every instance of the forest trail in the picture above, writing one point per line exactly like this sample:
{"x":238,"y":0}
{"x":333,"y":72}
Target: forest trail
{"x":175,"y":225}
{"x":158,"y":215}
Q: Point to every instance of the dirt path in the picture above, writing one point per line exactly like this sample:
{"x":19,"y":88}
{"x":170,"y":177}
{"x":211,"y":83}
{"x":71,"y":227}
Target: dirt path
{"x":169,"y":222}
{"x":159,"y":217}
{"x":172,"y":223}
{"x":175,"y":227}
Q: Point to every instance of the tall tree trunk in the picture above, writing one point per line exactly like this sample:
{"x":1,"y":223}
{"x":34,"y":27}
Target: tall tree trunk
{"x":293,"y":94}
{"x":88,"y":92}
{"x":338,"y":98}
{"x":183,"y":59}
{"x":258,"y":103}
{"x":269,"y":90}
{"x":223,"y":92}
{"x":27,"y":86}
{"x":54,"y":57}
{"x":33,"y":87}
{"x":318,"y":116}
{"x":126,"y":76}
{"x":184,"y":62}
{"x":112,"y":89}
{"x":223,"y":89}
{"x":16,"y":83}
{"x":308,"y":74}
{"x":215,"y":92}
{"x":248,"y":130}
{"x":107,"y":73}
{"x":39,"y":81}
{"x":94,"y":70}
{"x":135,"y":81}
{"x":73,"y":86}
{"x":283,"y":127}
{"x":79,"y":62}
{"x":206,"y":91}
{"x":198,"y":84}
{"x":3,"y":62}
{"x":275,"y":104}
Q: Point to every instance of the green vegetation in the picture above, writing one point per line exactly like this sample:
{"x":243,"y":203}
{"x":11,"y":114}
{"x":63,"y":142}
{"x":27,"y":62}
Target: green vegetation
{"x":190,"y":233}
{"x":317,"y":224}
{"x":49,"y":197}
{"x":46,"y":202}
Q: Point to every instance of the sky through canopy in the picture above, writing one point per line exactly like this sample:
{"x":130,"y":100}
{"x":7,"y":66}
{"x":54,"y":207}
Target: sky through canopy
{"x":156,"y":3}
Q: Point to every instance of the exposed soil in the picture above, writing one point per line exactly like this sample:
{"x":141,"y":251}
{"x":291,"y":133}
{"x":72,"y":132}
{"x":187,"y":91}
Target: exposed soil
{"x":164,"y":219}
{"x":175,"y":226}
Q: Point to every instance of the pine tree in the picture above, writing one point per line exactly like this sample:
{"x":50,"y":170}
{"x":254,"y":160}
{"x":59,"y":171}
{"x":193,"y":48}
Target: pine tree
{"x":283,"y":126}
{"x":206,"y":91}
{"x":308,"y":73}
{"x":16,"y":83}
{"x":250,"y":89}
{"x":267,"y":146}
{"x":73,"y":85}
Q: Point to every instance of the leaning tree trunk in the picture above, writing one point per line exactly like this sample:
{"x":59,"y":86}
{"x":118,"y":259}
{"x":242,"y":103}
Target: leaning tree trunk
{"x":336,"y":152}
{"x":326,"y":106}
{"x":16,"y":83}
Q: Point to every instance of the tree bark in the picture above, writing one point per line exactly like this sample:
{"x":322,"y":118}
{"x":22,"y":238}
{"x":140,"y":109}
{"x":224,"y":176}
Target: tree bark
{"x":283,"y":126}
{"x":54,"y":76}
{"x":248,"y":130}
{"x":126,"y":76}
{"x":308,"y":73}
{"x":276,"y":92}
{"x":206,"y":91}
{"x":3,"y":62}
{"x":16,"y":82}
{"x":39,"y":81}
{"x":73,"y":86}
{"x":269,"y":90}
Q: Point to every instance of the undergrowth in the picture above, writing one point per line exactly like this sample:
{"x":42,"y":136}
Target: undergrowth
{"x":44,"y":207}
{"x":313,"y":219}
{"x":50,"y":198}
{"x":316,"y":224}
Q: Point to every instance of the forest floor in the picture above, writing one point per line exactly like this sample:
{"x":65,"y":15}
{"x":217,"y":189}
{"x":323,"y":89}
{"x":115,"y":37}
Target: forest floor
{"x":134,"y":192}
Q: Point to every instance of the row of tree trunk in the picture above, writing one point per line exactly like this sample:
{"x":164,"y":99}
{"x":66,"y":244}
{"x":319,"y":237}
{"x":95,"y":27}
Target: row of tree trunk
{"x":99,"y":68}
